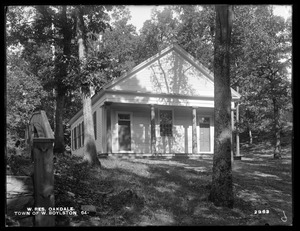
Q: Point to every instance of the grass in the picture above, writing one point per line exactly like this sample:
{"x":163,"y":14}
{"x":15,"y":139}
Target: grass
{"x":142,"y":192}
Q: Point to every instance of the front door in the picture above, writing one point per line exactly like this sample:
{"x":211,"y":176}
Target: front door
{"x":204,"y":134}
{"x":124,"y":132}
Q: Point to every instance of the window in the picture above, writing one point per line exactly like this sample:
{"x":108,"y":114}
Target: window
{"x":95,"y":124}
{"x":204,"y":120}
{"x":79,"y":135}
{"x":166,"y":122}
{"x":72,"y":139}
{"x":124,"y":117}
{"x":82,"y":133}
{"x":75,"y":143}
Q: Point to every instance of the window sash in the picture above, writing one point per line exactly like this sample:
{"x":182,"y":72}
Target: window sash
{"x":82,"y":133}
{"x":79,"y":135}
{"x":123,"y":117}
{"x":72,"y":139}
{"x":95,"y":124}
{"x":75,"y":140}
{"x":166,"y":122}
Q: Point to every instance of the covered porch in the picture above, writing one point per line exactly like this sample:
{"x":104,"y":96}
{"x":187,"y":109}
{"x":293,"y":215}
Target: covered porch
{"x":156,"y":129}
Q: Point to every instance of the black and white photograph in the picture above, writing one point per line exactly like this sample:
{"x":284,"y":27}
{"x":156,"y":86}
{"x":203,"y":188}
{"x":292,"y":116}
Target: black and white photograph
{"x":148,"y":115}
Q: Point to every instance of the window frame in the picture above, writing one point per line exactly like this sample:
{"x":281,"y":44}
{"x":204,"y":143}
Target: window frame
{"x":79,"y":135}
{"x":75,"y":140}
{"x":211,"y":130}
{"x":159,"y":121}
{"x":82,"y":133}
{"x":72,"y":139}
{"x":95,"y":124}
{"x":131,"y":129}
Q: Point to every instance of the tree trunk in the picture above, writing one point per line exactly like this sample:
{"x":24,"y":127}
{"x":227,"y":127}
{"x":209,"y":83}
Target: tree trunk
{"x":59,"y":143}
{"x":90,"y":150}
{"x":277,"y":144}
{"x":250,"y":135}
{"x":222,"y":189}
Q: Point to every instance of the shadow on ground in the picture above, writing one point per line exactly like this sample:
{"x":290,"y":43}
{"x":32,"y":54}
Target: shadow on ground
{"x":158,"y":191}
{"x":175,"y":191}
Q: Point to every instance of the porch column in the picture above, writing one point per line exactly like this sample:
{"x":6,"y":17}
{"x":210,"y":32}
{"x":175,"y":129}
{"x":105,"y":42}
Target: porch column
{"x":194,"y":131}
{"x":153,"y":137}
{"x":108,"y":127}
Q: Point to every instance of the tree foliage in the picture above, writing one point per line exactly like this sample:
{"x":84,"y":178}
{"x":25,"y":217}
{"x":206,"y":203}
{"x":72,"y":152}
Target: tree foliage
{"x":196,"y":31}
{"x":48,"y":39}
{"x":260,"y":52}
{"x":120,"y":41}
{"x":261,"y":56}
{"x":190,"y":26}
{"x":23,"y":94}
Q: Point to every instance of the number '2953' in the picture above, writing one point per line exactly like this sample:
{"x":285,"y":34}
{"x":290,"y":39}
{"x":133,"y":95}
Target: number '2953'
{"x":263,"y":211}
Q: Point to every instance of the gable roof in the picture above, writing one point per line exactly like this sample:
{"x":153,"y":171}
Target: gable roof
{"x":160,"y":54}
{"x":172,"y":48}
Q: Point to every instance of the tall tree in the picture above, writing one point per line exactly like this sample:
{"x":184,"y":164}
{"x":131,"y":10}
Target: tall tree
{"x":61,"y":89}
{"x":157,"y":33}
{"x":195,"y":32}
{"x":56,"y":27}
{"x":222,"y":188}
{"x":190,"y":26}
{"x":24,"y":93}
{"x":46,"y":39}
{"x":121,"y":40}
{"x":90,"y":150}
{"x":261,"y":54}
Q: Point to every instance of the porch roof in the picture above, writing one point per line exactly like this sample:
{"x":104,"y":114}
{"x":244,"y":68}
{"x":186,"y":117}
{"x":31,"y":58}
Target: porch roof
{"x":134,"y":97}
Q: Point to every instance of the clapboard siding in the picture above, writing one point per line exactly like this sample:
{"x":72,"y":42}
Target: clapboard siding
{"x":180,"y":142}
{"x":183,"y":130}
{"x":99,"y":130}
{"x":140,"y":127}
{"x":158,"y":100}
{"x":171,"y":74}
{"x":171,"y":79}
{"x":141,"y":134}
{"x":79,"y":151}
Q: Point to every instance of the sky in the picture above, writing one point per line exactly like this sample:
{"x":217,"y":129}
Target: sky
{"x":141,"y":13}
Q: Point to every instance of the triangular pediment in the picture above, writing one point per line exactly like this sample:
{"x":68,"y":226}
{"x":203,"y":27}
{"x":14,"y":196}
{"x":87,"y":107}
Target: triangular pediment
{"x":172,"y":71}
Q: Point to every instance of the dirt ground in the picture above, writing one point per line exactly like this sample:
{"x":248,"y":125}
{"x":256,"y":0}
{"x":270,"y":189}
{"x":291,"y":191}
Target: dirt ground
{"x":158,"y":191}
